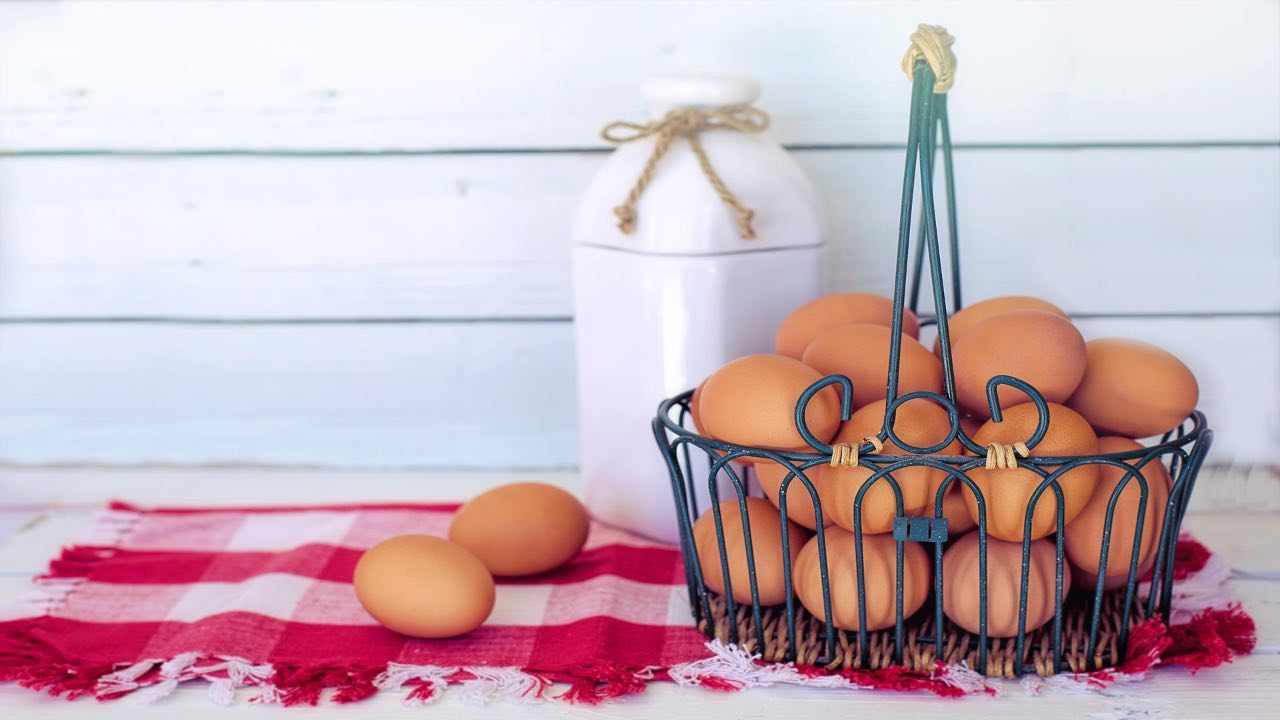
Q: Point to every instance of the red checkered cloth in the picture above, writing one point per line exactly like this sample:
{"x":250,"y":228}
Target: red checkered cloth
{"x":262,"y":598}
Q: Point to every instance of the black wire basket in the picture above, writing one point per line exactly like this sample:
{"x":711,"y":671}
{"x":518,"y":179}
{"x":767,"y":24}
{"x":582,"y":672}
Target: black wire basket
{"x":1089,"y":629}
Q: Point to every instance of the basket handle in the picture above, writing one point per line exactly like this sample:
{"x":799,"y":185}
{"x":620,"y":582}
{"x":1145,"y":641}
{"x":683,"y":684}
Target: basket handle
{"x":932,"y":43}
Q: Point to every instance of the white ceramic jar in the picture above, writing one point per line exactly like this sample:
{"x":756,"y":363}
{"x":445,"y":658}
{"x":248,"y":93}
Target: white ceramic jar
{"x":658,"y":310}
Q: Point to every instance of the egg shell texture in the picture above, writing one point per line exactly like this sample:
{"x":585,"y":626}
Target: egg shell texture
{"x":1008,"y":492}
{"x":812,"y":319}
{"x":961,"y":577}
{"x":956,"y":511}
{"x":766,"y":550}
{"x":424,"y":586}
{"x":880,"y":572}
{"x":799,"y":501}
{"x":1083,"y":537}
{"x":1134,"y":389}
{"x":752,"y":401}
{"x":861,"y":353}
{"x":1042,"y":349}
{"x":693,"y":408}
{"x":962,"y":320}
{"x":522,"y":528}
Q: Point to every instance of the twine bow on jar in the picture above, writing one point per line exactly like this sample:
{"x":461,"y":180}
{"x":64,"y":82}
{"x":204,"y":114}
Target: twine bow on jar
{"x":686,"y":123}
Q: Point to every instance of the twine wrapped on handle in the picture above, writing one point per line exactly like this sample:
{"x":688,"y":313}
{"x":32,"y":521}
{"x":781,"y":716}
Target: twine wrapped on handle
{"x":1005,"y":457}
{"x":686,"y":123}
{"x":932,"y":44}
{"x":845,"y":455}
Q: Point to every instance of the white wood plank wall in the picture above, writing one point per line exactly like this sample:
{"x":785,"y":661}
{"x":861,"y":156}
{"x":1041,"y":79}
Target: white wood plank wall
{"x":337,"y":233}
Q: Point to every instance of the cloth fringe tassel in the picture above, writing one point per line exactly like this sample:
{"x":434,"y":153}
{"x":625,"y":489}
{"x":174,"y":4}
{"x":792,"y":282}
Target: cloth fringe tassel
{"x":1211,"y":638}
{"x":1208,"y":630}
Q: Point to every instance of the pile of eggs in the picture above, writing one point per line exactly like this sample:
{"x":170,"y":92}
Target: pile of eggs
{"x":1103,"y":395}
{"x":431,"y":587}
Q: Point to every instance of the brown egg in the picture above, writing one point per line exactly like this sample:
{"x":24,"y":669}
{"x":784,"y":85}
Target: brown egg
{"x":812,"y":319}
{"x":961,"y":577}
{"x":1134,"y":389}
{"x":799,"y":502}
{"x":522,"y":528}
{"x":693,"y":407}
{"x":919,"y":422}
{"x":954,"y":506}
{"x":955,"y":510}
{"x":1043,"y":349}
{"x":970,"y":424}
{"x":861,"y":353}
{"x":766,"y":547}
{"x":960,"y":322}
{"x":880,"y":574}
{"x":1008,"y":492}
{"x":752,"y":401}
{"x":424,"y":586}
{"x":1083,"y":537}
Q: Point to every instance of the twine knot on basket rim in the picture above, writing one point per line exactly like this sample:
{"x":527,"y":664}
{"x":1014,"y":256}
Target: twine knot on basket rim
{"x":845,"y":455}
{"x":686,"y":122}
{"x":1005,"y":457}
{"x":932,"y":43}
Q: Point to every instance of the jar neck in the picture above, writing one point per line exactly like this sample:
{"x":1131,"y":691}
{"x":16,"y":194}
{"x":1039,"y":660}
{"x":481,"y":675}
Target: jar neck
{"x":657,"y":111}
{"x":664,"y":93}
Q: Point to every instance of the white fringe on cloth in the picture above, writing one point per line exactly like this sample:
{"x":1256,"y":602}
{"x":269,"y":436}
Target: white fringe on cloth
{"x":110,"y":527}
{"x":733,"y":666}
{"x":1196,"y":593}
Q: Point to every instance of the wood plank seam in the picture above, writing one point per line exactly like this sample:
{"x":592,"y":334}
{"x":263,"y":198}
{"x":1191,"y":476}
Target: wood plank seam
{"x":604,"y":150}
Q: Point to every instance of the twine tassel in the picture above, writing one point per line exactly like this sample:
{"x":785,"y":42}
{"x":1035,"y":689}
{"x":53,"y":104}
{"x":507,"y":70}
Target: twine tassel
{"x":686,"y":123}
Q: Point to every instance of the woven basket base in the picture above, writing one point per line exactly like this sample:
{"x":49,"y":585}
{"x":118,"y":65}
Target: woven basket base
{"x":959,"y":645}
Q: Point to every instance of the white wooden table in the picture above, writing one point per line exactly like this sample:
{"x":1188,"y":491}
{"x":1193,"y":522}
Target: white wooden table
{"x":1236,"y":513}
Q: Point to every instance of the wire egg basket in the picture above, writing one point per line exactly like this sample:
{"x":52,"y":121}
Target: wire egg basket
{"x":1089,"y":629}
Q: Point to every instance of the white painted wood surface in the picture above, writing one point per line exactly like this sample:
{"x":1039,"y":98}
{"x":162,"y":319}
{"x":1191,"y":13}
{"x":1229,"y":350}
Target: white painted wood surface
{"x":435,"y":394}
{"x":1244,"y":689}
{"x":486,"y":395}
{"x":1098,"y":231}
{"x":517,"y":74}
{"x":223,"y":165}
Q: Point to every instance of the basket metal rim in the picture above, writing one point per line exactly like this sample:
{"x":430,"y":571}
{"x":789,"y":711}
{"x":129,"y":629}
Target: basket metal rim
{"x":1174,"y":438}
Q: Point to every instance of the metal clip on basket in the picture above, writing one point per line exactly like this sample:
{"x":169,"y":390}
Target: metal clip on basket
{"x":1087,"y":632}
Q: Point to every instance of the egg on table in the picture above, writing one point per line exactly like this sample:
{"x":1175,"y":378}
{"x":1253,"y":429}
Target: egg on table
{"x":424,"y":586}
{"x":522,"y":528}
